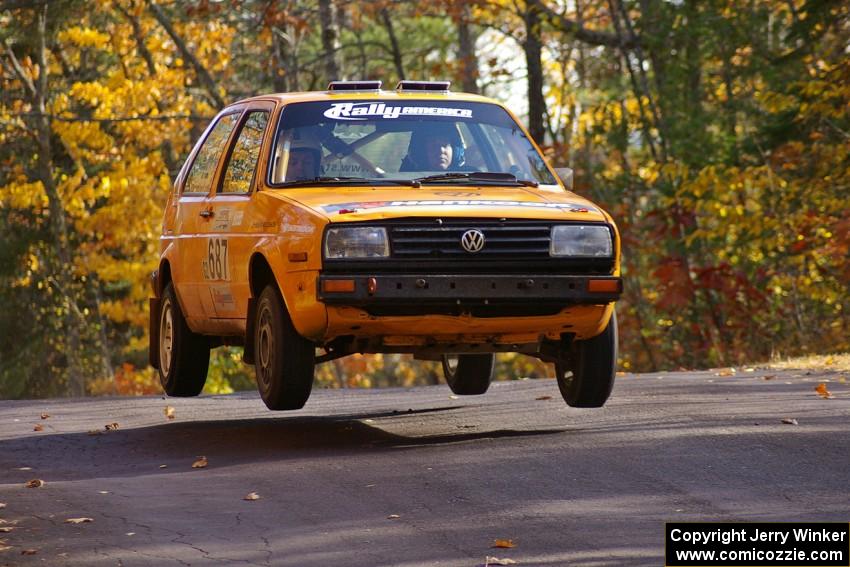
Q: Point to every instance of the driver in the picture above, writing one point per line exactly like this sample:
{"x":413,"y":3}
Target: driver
{"x":434,"y":147}
{"x":305,"y":156}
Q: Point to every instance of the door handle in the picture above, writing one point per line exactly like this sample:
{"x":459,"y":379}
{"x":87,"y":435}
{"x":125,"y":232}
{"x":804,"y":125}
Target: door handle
{"x":207,"y":213}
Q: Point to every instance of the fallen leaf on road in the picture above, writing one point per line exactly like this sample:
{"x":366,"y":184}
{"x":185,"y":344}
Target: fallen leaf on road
{"x":29,"y":552}
{"x":169,"y":412}
{"x":504,"y":543}
{"x":35,"y":483}
{"x":496,"y":561}
{"x":45,"y":415}
{"x":823,"y":392}
{"x":163,"y":466}
{"x":103,"y":492}
{"x":453,"y":397}
{"x":725,"y":372}
{"x":6,"y":529}
{"x":4,"y":547}
{"x":252,"y":496}
{"x":393,"y":517}
{"x":24,"y":468}
{"x":37,"y":427}
{"x":130,"y":533}
{"x":200,"y":463}
{"x":790,"y":421}
{"x":749,"y":369}
{"x":769,"y":377}
{"x":79,"y":520}
{"x":110,"y":426}
{"x":541,"y":398}
{"x":2,"y":505}
{"x":94,"y":432}
{"x":622,"y":373}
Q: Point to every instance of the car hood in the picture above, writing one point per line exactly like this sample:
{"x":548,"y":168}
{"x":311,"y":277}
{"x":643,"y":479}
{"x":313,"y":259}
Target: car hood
{"x":347,"y":204}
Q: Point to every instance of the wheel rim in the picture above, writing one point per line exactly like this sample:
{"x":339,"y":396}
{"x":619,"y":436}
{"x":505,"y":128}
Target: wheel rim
{"x":166,"y":337}
{"x":265,"y":346}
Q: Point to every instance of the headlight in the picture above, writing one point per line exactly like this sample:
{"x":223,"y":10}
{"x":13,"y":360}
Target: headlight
{"x":581,"y":240}
{"x":357,"y":242}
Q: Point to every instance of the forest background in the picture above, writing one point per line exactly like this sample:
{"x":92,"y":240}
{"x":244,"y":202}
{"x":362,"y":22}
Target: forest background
{"x":717,"y":133}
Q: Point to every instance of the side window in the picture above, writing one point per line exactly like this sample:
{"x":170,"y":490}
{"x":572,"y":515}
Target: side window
{"x":246,"y":151}
{"x":203,"y":168}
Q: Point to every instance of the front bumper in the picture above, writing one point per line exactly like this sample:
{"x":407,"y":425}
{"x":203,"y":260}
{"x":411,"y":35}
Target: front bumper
{"x":458,"y":290}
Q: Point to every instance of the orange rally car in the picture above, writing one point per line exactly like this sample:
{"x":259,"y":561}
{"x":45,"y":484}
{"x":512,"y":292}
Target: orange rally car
{"x":311,"y":226}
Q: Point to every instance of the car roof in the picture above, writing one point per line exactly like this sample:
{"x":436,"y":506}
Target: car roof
{"x":314,"y":96}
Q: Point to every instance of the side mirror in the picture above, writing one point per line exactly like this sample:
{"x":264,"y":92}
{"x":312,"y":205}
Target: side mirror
{"x":566,"y":176}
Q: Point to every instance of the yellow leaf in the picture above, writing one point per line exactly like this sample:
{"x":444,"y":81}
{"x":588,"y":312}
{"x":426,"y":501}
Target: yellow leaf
{"x":37,"y":427}
{"x":504,"y":543}
{"x":45,"y":415}
{"x":78,"y":520}
{"x":200,"y":463}
{"x":169,"y":412}
{"x":393,"y":517}
{"x":252,"y":496}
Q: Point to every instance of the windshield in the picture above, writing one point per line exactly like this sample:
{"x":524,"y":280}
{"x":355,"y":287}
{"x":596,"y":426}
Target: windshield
{"x":402,"y":140}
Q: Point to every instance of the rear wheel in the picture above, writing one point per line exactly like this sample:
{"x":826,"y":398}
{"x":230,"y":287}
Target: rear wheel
{"x":587,"y":377}
{"x":284,"y":361}
{"x":184,"y":356}
{"x":468,"y":374}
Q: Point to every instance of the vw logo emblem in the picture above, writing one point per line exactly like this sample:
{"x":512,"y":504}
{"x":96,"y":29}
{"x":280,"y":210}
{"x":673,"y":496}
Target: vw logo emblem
{"x":472,"y":240}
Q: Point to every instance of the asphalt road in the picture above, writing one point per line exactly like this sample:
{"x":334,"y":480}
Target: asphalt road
{"x":417,"y":477}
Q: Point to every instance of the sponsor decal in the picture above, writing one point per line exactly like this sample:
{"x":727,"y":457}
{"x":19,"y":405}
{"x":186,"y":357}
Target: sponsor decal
{"x":298,"y":228}
{"x":237,"y":217}
{"x":351,"y":207}
{"x":223,"y":298}
{"x":366,"y":110}
{"x":222,"y":220}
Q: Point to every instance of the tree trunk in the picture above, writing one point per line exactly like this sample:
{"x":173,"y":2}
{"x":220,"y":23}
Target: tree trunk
{"x":63,"y":272}
{"x":394,"y":47}
{"x":330,"y":38}
{"x":466,"y":51}
{"x":533,"y":48}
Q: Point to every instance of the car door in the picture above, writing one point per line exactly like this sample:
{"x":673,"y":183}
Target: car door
{"x":193,"y":220}
{"x":231,"y":239}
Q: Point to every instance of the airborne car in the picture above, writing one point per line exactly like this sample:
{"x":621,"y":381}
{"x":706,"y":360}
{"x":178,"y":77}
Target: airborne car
{"x":311,"y":226}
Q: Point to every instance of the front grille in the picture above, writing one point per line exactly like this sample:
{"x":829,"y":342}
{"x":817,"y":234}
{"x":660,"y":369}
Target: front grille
{"x":513,"y":239}
{"x":432,"y":246}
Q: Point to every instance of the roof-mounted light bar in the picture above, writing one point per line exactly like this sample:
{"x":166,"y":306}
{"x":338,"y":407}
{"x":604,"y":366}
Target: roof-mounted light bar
{"x":335,"y":86}
{"x":430,"y":86}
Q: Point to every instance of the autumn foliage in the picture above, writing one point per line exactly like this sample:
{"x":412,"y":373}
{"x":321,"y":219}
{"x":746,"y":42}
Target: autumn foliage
{"x":717,"y":133}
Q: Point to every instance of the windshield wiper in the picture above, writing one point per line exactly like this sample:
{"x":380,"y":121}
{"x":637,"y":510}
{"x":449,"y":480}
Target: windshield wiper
{"x":477,"y":176}
{"x":323,"y":181}
{"x":343,"y":180}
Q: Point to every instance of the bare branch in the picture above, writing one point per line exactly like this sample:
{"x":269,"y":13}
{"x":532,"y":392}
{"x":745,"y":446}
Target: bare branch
{"x":575,"y":29}
{"x":201,"y":71}
{"x":19,"y":71}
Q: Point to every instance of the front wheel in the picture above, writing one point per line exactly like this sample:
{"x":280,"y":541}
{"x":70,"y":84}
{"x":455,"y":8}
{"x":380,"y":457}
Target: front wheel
{"x":587,"y":377}
{"x":468,"y":374}
{"x":284,"y":361}
{"x":184,"y":356}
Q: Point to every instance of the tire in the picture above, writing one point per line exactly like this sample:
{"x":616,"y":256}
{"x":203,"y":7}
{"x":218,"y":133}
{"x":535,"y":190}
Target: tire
{"x":468,"y":374}
{"x":284,"y":361}
{"x":184,"y":356}
{"x":591,"y":365}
